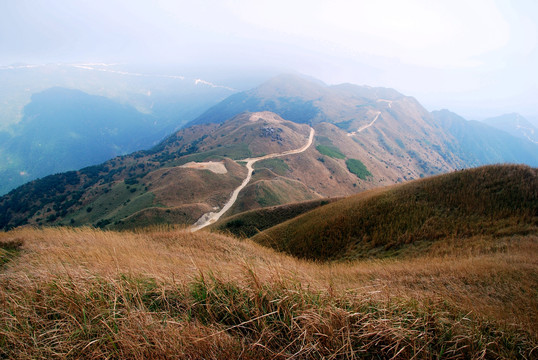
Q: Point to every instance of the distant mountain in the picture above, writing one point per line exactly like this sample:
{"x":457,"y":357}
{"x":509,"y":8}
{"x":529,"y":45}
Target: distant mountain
{"x":149,"y":187}
{"x":515,"y":125}
{"x":157,"y":103}
{"x":479,"y":144}
{"x":172,"y":98}
{"x":405,"y":136}
{"x":302,"y":100}
{"x":64,"y":129}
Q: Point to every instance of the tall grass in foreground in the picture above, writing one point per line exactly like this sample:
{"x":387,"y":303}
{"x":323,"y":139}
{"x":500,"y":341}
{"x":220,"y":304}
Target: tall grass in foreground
{"x":83,"y":293}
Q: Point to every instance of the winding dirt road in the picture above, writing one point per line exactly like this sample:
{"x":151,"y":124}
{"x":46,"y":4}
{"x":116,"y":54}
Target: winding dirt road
{"x":211,"y":217}
{"x":389,"y":102}
{"x":365,"y":126}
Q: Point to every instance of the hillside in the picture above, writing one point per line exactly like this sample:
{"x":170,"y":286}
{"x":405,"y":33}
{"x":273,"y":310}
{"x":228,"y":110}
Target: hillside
{"x":167,"y":293}
{"x":155,"y":186}
{"x":393,"y":129}
{"x":470,"y":205}
{"x":249,"y":223}
{"x":389,"y":130}
{"x":477,"y":143}
{"x":160,"y":185}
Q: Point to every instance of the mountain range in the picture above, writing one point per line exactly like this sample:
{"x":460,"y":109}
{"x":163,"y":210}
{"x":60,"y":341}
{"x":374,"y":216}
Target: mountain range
{"x":342,"y":224}
{"x":55,"y":118}
{"x":364,"y":138}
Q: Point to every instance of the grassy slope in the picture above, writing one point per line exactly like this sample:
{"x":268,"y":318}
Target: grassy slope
{"x":167,"y":293}
{"x":249,"y":223}
{"x":492,"y":201}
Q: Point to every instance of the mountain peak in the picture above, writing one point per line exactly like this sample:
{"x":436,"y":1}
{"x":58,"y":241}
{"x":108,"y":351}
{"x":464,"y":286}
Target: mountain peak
{"x":291,"y":85}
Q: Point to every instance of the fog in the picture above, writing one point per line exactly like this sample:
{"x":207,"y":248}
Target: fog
{"x":477,"y":58}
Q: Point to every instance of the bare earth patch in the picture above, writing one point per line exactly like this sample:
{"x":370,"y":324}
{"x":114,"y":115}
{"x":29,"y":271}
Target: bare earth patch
{"x":216,"y":167}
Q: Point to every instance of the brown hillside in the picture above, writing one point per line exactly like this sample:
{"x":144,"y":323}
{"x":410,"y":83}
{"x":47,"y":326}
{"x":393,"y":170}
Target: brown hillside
{"x":482,"y":203}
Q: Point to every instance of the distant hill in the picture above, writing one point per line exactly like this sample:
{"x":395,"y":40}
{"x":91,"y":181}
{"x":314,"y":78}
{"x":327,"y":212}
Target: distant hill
{"x":515,"y":125}
{"x":173,"y":98}
{"x":407,"y":219}
{"x":395,"y":130}
{"x":479,"y":144}
{"x":44,"y":98}
{"x":302,"y":100}
{"x":150,"y":187}
{"x":64,"y":129}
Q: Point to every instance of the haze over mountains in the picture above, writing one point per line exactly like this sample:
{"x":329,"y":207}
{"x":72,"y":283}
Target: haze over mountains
{"x":364,"y":138}
{"x":515,"y":125}
{"x":60,"y":117}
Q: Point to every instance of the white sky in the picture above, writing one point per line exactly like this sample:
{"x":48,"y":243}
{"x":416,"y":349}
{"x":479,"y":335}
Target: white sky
{"x":475,"y":57}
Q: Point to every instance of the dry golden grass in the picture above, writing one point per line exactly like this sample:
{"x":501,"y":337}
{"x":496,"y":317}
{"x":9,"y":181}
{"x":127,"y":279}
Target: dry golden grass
{"x":492,"y":201}
{"x":168,"y":293}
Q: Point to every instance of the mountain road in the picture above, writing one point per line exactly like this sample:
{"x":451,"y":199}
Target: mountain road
{"x":211,"y":217}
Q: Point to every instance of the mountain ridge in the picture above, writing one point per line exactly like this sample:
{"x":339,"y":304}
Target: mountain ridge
{"x":369,"y":142}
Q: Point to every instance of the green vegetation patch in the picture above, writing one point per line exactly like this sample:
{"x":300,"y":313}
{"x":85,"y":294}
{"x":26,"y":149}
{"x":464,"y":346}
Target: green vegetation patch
{"x":356,"y":167}
{"x":278,"y":166}
{"x":331,"y":151}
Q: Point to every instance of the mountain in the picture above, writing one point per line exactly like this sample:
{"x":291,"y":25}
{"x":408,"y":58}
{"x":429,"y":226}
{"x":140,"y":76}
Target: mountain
{"x":355,"y":138}
{"x":156,"y":183}
{"x":172,"y":98}
{"x":515,"y":125}
{"x":393,"y":128}
{"x":154,"y":186}
{"x":405,"y":135}
{"x":486,"y":202}
{"x":304,"y":100}
{"x":44,"y":109}
{"x":65,"y":129}
{"x":479,"y":144}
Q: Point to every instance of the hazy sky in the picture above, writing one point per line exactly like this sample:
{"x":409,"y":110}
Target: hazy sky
{"x":476,"y":57}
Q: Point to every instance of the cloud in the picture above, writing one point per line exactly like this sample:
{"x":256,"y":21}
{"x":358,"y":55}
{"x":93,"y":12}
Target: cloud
{"x":426,"y":33}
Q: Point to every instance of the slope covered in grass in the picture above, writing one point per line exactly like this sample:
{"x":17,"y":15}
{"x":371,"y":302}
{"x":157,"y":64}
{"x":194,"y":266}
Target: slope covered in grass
{"x":168,"y":293}
{"x":249,"y":223}
{"x":491,"y":201}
